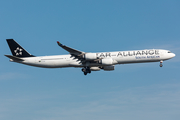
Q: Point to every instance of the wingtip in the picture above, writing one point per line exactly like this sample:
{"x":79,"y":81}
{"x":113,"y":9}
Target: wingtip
{"x":59,"y":43}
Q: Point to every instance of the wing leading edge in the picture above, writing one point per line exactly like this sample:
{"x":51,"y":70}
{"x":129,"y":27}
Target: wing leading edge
{"x":71,"y":50}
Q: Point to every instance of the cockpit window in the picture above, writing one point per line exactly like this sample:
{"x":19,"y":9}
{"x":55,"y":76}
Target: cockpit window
{"x":169,"y":51}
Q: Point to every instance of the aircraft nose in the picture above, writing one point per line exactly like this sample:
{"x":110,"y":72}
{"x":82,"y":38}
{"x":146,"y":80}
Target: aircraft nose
{"x":173,"y":55}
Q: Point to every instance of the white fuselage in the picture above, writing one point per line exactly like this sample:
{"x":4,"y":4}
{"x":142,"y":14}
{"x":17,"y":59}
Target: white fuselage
{"x":120,"y":57}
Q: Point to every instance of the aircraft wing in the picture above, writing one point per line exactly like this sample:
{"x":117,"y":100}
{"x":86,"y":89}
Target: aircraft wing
{"x":71,"y":50}
{"x":77,"y":54}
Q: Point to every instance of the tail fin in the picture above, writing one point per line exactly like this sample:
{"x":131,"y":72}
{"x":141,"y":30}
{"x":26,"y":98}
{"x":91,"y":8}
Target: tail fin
{"x":17,"y":50}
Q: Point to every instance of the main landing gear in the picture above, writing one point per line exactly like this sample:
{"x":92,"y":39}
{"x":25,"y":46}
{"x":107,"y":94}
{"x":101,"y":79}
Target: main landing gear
{"x":161,"y":63}
{"x":86,"y":70}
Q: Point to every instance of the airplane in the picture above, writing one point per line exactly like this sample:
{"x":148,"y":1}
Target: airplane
{"x":87,"y":61}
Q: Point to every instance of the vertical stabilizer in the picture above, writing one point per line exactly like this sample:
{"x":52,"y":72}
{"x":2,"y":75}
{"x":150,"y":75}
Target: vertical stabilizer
{"x":17,"y":50}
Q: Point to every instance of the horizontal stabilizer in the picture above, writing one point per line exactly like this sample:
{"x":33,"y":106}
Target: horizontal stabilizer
{"x":14,"y":58}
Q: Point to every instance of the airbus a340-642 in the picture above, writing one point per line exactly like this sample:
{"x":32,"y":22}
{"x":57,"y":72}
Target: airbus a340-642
{"x":87,"y":61}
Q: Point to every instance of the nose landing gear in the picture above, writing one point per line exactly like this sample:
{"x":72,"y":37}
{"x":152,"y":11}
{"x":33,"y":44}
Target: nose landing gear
{"x":86,"y":70}
{"x":161,"y":63}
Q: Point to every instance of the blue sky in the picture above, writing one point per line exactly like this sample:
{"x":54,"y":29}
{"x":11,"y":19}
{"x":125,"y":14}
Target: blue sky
{"x":132,"y":91}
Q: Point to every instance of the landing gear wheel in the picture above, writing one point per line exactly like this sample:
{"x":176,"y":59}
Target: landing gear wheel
{"x":86,"y":70}
{"x":161,"y":63}
{"x":83,"y":70}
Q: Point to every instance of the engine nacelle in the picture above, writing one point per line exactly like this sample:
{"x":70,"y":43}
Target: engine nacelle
{"x":106,"y":61}
{"x":108,"y":68}
{"x":95,"y":68}
{"x":90,"y":56}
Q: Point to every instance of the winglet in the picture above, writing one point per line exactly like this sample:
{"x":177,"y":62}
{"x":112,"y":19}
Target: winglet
{"x":59,"y":43}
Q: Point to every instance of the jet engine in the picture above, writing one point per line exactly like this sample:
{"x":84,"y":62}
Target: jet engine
{"x":90,"y":56}
{"x":106,"y":61}
{"x":108,"y":68}
{"x":95,"y":68}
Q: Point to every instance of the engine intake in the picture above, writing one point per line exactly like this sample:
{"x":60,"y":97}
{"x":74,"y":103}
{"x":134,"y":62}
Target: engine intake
{"x":95,"y":68}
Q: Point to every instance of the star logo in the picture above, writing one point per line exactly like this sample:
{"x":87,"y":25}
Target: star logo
{"x":18,"y":51}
